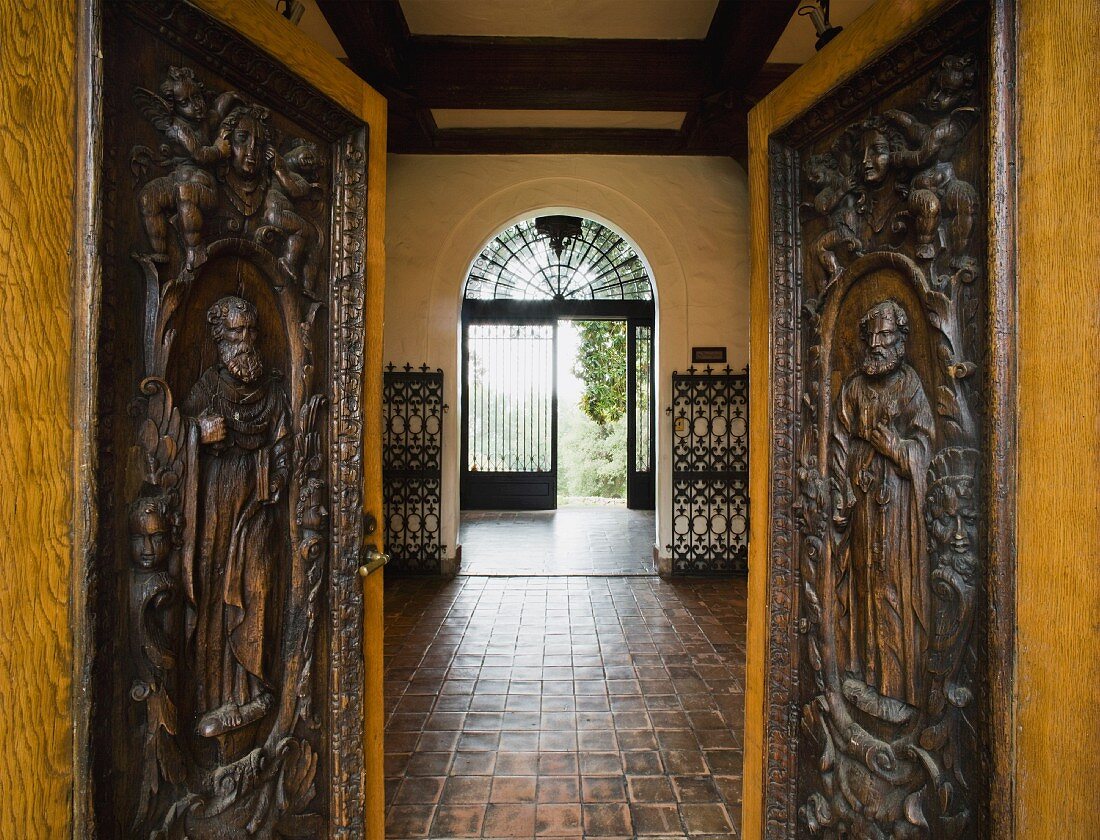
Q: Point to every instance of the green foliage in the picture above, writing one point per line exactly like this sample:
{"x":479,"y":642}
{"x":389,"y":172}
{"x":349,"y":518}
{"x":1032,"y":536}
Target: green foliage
{"x":591,"y":457}
{"x":601,"y":367}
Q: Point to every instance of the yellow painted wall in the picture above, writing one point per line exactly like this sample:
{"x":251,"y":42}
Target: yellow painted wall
{"x":39,"y":469}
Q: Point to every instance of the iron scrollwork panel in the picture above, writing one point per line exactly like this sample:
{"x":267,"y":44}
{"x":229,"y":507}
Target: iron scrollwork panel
{"x":879,"y":369}
{"x":226,"y":614}
{"x":412,"y":462}
{"x":710,"y":452}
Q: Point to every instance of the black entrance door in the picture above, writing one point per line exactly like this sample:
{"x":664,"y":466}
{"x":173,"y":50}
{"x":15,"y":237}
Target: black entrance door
{"x":510,"y":401}
{"x":509,"y":452}
{"x":640,"y":455}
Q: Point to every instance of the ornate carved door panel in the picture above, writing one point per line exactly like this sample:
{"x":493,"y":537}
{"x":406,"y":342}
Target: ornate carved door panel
{"x":887,"y":441}
{"x":226,"y":680}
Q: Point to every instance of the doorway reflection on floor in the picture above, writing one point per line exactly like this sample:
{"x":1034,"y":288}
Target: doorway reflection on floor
{"x":564,"y":707}
{"x":567,"y":541}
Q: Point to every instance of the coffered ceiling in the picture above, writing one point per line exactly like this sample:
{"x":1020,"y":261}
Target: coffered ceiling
{"x":569,"y":76}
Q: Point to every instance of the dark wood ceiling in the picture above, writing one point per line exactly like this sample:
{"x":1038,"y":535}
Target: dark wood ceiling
{"x":714,"y":80}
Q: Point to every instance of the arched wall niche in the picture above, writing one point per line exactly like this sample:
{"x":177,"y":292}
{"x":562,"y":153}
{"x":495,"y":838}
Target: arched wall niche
{"x":687,"y":217}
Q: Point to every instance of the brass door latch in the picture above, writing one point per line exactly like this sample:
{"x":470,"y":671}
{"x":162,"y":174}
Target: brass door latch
{"x":372,"y":559}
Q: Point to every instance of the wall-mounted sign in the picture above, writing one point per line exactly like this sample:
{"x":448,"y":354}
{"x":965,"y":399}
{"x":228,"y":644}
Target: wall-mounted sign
{"x":708,"y":355}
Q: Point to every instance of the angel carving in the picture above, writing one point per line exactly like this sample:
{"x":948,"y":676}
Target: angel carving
{"x":180,"y":112}
{"x":834,"y":199}
{"x":296,"y":173}
{"x":936,"y":191}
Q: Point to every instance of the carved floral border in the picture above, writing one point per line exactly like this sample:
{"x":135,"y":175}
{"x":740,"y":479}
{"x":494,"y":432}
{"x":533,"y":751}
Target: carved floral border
{"x":231,"y":55}
{"x":782,"y":697}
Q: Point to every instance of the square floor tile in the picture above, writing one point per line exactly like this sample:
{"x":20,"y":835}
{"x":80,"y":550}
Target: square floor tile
{"x":558,"y":820}
{"x":509,"y":821}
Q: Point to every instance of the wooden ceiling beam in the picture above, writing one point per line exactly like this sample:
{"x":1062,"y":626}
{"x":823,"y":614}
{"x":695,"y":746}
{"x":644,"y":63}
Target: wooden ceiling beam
{"x":714,"y":81}
{"x":375,"y":36}
{"x":561,"y":141}
{"x":742,"y":36}
{"x":558,"y":73}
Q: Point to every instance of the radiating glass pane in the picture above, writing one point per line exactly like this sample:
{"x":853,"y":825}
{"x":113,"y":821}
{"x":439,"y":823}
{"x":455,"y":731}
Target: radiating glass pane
{"x":510,"y":381}
{"x":643,"y":378}
{"x":520,"y":264}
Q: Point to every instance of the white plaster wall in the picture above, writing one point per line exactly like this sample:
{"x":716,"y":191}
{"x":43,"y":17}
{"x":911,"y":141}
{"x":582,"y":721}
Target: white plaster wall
{"x":687,"y":216}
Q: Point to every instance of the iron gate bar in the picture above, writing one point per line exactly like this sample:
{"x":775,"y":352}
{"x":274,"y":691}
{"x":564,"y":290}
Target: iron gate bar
{"x":641,"y":490}
{"x":710,"y":463}
{"x":412,"y":459}
{"x":536,"y":310}
{"x":542,"y":271}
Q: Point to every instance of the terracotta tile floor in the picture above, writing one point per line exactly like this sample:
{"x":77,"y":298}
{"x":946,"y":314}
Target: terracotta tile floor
{"x":566,"y":541}
{"x":564,"y":707}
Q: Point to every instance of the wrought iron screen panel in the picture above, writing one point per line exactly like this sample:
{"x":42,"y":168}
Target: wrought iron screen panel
{"x":412,"y":458}
{"x":710,"y":471}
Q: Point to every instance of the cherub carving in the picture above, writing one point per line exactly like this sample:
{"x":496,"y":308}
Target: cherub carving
{"x":835,"y":200}
{"x":180,"y":112}
{"x":296,"y":175}
{"x":936,"y":190}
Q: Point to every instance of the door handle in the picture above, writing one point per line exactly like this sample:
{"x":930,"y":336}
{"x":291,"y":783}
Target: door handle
{"x":372,"y":559}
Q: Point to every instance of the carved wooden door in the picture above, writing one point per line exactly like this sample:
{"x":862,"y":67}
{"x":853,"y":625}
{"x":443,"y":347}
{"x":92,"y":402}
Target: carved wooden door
{"x":884,"y":426}
{"x":225,"y":683}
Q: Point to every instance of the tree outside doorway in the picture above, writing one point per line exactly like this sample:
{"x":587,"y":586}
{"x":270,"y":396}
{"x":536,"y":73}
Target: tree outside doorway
{"x":592,"y":430}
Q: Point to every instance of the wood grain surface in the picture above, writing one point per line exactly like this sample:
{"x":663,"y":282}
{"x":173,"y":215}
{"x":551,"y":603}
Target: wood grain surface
{"x":1058,"y":543}
{"x":871,"y":34}
{"x":286,"y":43}
{"x":1054,"y":761}
{"x":36,"y":189}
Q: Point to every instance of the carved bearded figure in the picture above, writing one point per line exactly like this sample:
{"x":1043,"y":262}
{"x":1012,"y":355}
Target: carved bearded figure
{"x":238,"y":451}
{"x":881,"y":445}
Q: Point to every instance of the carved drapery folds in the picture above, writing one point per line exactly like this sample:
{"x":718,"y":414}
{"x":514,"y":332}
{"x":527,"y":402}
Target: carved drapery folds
{"x":239,"y":491}
{"x":879,"y":379}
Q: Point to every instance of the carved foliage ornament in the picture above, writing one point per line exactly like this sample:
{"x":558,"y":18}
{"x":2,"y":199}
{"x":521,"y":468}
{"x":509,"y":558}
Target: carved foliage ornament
{"x":234,"y":562}
{"x":886,"y":500}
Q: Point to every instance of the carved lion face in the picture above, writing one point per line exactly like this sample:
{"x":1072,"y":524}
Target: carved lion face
{"x":953,"y":523}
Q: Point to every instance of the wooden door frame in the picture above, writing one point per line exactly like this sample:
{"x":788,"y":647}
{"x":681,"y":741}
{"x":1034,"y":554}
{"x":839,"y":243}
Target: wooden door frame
{"x":1044,"y":252}
{"x":274,"y":35}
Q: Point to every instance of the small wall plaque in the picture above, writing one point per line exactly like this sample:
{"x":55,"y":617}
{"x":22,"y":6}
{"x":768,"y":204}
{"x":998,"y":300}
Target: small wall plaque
{"x":708,"y":355}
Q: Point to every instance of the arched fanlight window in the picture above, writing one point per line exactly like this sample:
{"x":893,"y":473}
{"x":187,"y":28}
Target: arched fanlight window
{"x":558,"y":258}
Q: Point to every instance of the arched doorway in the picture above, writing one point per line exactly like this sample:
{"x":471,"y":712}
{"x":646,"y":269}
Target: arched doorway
{"x":528,"y":281}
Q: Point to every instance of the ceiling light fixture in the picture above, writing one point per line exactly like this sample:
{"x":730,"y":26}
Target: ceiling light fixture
{"x":818,"y":13}
{"x":559,"y":230}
